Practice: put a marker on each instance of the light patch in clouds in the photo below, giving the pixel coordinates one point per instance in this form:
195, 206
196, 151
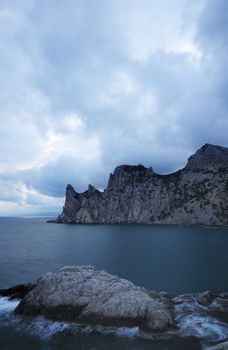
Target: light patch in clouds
121, 89
68, 136
16, 197
73, 122
148, 27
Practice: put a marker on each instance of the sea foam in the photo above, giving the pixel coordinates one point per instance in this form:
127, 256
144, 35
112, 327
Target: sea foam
7, 305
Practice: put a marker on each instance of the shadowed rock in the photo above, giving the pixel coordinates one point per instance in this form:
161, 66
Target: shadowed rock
18, 291
85, 295
205, 298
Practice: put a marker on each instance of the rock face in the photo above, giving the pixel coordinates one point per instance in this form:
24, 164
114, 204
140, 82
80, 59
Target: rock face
196, 194
85, 295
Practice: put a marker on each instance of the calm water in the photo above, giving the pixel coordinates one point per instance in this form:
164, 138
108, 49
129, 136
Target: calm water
168, 258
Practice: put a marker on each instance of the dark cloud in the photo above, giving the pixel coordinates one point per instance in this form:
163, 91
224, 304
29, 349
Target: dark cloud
213, 24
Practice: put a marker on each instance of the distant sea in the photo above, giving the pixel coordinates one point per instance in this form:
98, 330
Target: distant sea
175, 259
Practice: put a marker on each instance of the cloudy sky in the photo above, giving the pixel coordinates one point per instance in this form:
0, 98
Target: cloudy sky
87, 85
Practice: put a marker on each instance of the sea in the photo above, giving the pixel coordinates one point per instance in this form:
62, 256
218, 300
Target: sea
179, 260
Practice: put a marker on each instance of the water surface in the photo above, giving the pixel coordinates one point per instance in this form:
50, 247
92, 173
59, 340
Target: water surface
175, 259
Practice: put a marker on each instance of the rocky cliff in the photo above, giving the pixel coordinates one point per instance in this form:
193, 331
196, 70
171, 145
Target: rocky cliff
196, 194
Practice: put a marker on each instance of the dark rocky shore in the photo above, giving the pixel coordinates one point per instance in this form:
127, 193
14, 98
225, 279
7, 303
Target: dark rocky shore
17, 292
195, 195
84, 295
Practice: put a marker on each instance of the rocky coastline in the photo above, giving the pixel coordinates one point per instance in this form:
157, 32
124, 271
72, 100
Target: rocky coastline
194, 195
86, 296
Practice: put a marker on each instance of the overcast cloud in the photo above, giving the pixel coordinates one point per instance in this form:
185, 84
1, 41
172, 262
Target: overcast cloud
87, 85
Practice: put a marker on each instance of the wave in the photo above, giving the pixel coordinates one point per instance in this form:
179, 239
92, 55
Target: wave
7, 305
200, 321
203, 327
193, 320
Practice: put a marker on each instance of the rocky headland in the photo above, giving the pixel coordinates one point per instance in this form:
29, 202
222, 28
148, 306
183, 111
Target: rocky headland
194, 195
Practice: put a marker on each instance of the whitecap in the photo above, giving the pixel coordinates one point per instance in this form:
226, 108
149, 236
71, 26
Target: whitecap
220, 303
46, 329
43, 328
127, 332
202, 327
7, 305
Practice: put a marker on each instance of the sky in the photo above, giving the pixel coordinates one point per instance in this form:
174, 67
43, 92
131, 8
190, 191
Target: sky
87, 85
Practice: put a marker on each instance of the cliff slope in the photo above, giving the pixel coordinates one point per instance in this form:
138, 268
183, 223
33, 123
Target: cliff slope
196, 194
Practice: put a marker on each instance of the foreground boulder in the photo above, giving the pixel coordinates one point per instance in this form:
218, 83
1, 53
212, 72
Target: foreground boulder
85, 295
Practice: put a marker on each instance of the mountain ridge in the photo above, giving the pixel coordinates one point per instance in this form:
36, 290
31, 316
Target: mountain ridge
195, 194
